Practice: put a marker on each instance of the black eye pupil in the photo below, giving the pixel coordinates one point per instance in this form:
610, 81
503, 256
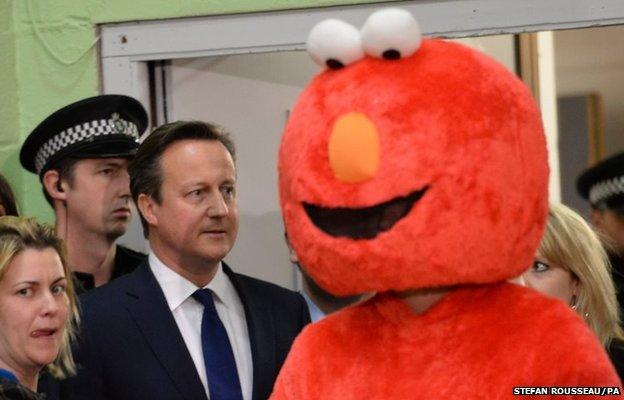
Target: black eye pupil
332, 63
391, 54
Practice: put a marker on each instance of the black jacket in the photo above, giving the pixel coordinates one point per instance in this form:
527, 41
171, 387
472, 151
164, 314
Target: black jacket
10, 390
126, 261
617, 273
131, 347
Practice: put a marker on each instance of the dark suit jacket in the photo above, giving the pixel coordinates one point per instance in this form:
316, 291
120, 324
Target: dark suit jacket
131, 348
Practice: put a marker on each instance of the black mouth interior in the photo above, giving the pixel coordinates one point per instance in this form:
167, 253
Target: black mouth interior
362, 223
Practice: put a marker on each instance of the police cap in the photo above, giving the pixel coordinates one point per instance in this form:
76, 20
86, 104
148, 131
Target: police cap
603, 184
96, 127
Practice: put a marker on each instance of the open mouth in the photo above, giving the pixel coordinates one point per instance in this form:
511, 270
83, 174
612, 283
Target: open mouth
362, 223
43, 333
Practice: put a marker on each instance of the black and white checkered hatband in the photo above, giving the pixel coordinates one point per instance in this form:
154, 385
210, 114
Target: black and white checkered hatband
82, 133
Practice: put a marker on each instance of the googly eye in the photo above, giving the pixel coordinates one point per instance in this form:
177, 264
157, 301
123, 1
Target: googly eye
334, 44
391, 33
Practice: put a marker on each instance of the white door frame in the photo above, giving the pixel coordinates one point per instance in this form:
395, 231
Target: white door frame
125, 45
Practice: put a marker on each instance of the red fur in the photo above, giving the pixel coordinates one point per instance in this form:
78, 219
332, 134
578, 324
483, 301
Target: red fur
477, 342
451, 118
448, 117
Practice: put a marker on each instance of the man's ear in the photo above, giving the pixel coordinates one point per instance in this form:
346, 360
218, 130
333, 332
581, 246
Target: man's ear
147, 208
291, 252
597, 218
54, 186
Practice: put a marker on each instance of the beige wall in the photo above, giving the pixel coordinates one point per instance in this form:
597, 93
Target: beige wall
592, 60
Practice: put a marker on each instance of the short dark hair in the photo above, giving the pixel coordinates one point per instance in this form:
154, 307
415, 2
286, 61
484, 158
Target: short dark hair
7, 198
65, 169
145, 169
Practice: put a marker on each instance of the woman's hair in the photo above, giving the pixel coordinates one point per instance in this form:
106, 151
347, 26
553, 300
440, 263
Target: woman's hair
18, 234
571, 243
7, 199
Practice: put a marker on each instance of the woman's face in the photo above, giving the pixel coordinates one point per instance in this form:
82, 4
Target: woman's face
33, 310
551, 279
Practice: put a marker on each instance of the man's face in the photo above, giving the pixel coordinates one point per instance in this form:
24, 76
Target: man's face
196, 221
98, 197
611, 224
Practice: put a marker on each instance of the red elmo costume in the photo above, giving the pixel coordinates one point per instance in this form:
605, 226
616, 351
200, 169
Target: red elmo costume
412, 170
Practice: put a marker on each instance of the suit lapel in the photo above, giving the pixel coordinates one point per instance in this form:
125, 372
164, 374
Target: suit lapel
148, 307
261, 336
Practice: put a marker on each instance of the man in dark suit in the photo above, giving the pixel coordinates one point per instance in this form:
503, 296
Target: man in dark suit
183, 325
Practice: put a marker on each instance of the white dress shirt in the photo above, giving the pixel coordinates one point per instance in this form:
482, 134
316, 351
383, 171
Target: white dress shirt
188, 314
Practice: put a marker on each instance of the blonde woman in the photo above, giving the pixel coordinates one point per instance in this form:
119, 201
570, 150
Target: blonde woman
37, 307
572, 265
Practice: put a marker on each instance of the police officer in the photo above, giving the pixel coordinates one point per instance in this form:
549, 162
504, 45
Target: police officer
603, 186
81, 153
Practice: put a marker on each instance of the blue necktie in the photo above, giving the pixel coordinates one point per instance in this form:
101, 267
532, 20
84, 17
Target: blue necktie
221, 372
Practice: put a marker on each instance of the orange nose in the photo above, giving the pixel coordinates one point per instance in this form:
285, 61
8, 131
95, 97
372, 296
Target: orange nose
354, 148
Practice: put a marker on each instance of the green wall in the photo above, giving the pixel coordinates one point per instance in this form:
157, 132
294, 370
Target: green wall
9, 97
49, 59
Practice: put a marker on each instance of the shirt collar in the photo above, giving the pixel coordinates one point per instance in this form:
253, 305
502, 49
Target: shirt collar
315, 313
221, 286
177, 289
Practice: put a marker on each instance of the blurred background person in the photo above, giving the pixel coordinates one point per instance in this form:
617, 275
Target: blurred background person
603, 186
8, 206
37, 307
572, 265
320, 302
